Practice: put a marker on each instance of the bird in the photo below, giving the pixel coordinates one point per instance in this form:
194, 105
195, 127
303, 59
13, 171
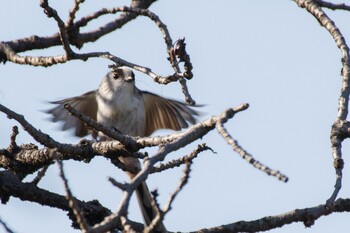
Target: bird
120, 104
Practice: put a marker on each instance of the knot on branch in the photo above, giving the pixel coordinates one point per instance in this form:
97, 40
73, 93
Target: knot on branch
47, 10
338, 163
340, 131
92, 211
178, 51
309, 221
73, 33
84, 143
342, 205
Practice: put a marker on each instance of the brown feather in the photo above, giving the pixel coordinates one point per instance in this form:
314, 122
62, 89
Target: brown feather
85, 104
164, 113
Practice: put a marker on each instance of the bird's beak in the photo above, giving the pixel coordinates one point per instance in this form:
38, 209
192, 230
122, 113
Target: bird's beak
128, 79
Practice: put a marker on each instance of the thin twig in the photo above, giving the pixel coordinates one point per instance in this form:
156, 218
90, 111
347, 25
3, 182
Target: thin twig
332, 6
72, 13
180, 161
183, 182
7, 228
178, 52
50, 12
244, 154
167, 208
84, 226
126, 225
40, 175
117, 184
13, 145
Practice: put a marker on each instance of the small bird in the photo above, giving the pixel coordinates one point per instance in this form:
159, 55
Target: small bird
120, 104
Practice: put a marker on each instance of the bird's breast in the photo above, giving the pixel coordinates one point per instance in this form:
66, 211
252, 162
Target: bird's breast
123, 111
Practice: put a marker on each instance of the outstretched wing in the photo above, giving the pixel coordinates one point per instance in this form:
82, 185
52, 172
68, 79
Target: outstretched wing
164, 113
86, 104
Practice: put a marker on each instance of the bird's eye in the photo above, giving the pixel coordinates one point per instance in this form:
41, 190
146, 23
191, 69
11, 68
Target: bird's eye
116, 75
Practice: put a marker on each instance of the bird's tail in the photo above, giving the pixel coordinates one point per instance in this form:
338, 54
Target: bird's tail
144, 198
149, 211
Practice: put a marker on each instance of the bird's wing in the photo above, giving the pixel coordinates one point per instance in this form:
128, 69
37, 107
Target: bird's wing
85, 104
164, 113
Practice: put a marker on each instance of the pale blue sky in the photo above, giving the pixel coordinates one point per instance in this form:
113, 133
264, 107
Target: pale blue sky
271, 54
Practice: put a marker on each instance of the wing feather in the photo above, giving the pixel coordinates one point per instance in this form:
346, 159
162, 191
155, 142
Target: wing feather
164, 113
86, 104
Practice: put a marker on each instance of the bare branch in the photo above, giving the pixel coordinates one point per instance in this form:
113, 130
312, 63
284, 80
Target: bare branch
190, 135
29, 158
12, 56
110, 222
84, 148
93, 211
108, 131
7, 228
92, 149
178, 51
313, 8
72, 13
244, 154
139, 11
183, 182
167, 208
306, 216
126, 224
178, 162
50, 12
109, 27
47, 61
79, 39
117, 184
13, 144
40, 175
84, 226
12, 186
332, 6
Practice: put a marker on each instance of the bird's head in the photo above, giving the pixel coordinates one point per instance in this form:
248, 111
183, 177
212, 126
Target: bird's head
118, 79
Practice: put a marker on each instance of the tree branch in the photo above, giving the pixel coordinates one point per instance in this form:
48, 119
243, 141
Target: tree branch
183, 160
243, 153
93, 211
72, 13
313, 8
72, 202
7, 228
306, 216
332, 6
79, 39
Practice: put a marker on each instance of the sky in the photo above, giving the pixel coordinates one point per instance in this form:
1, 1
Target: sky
270, 54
